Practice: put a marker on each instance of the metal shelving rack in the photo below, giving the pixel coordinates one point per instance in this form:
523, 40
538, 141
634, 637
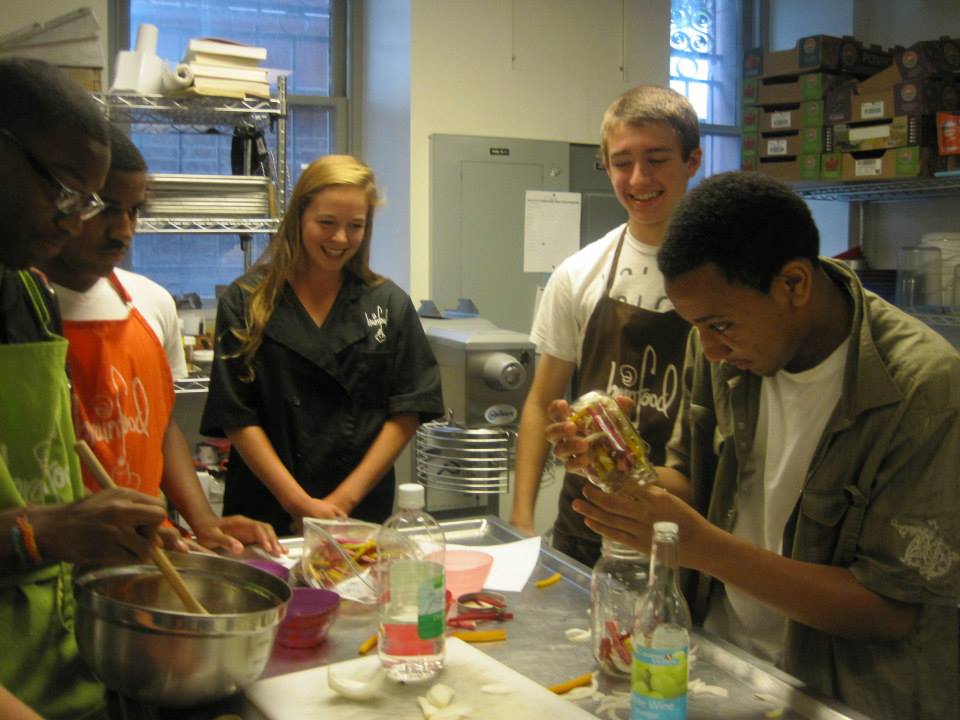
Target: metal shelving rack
880, 190
197, 114
191, 385
885, 191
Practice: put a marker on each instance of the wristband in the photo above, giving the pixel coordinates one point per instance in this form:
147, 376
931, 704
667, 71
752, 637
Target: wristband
16, 539
28, 542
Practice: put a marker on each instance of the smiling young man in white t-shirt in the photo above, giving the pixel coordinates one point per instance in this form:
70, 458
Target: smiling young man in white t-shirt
604, 314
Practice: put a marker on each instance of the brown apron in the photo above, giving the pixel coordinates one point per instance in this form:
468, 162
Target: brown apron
627, 350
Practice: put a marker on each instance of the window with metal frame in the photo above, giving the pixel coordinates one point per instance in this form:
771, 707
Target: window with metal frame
706, 46
307, 38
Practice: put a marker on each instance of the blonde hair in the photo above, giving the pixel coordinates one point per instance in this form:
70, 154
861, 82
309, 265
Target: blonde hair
285, 251
651, 103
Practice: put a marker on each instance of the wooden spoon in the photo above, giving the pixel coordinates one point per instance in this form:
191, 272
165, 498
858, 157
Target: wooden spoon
156, 554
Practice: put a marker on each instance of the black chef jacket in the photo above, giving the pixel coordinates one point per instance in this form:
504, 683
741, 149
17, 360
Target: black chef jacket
321, 394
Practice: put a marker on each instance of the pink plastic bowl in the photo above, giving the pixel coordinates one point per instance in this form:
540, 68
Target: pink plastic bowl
466, 571
310, 613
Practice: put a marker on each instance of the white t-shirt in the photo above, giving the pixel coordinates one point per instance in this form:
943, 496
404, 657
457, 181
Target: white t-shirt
794, 410
102, 302
580, 281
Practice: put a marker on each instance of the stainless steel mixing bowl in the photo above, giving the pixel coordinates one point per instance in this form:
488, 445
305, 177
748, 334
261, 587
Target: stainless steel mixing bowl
133, 631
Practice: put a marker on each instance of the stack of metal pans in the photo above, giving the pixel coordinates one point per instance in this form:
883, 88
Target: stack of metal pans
219, 196
469, 460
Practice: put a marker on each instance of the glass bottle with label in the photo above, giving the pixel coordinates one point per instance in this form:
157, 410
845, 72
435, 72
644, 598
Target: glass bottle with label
661, 636
618, 581
410, 589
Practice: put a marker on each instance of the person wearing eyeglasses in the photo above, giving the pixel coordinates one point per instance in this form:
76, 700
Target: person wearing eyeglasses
54, 156
124, 352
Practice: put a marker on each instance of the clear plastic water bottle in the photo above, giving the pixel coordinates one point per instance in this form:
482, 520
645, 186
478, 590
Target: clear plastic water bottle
618, 581
410, 589
661, 636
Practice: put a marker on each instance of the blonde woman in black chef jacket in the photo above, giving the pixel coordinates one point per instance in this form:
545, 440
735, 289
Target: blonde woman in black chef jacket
321, 371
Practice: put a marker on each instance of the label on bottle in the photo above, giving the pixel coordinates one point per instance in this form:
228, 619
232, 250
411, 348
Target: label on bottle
431, 605
659, 683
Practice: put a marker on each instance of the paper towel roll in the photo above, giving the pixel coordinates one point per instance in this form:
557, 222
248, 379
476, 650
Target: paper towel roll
150, 81
177, 79
146, 39
127, 73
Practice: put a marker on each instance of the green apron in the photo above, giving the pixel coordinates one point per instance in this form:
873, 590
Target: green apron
39, 661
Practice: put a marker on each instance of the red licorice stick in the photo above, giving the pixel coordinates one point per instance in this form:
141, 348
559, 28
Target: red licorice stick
615, 642
609, 428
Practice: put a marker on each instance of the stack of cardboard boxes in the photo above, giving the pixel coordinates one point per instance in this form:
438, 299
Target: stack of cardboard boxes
834, 109
785, 130
884, 127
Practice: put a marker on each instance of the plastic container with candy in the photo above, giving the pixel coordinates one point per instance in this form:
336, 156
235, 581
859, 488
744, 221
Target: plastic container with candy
340, 554
619, 457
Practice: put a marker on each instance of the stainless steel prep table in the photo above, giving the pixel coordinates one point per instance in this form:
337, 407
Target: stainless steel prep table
537, 647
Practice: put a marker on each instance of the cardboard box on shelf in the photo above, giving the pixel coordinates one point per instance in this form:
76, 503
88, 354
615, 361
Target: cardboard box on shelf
917, 97
801, 142
791, 117
902, 162
796, 89
89, 78
948, 133
894, 132
814, 53
922, 60
831, 166
802, 167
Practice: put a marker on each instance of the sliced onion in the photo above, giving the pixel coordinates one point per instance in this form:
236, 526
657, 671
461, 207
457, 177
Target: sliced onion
362, 686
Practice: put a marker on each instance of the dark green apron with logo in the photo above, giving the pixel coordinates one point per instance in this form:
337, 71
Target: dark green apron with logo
627, 350
39, 661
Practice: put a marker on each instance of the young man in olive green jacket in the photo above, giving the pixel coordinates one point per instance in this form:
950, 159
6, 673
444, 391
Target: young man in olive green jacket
813, 464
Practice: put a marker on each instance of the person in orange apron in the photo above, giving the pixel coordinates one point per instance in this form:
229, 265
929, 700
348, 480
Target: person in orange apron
122, 383
604, 319
54, 157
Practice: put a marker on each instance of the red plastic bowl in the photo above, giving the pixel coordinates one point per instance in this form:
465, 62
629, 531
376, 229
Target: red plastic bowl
310, 613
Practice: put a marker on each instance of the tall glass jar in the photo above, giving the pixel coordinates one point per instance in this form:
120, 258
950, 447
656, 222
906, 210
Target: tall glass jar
619, 580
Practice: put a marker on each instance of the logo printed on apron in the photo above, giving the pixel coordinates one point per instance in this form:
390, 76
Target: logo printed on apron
111, 423
635, 385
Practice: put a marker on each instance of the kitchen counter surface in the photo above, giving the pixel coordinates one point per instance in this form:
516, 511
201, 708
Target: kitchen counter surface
538, 648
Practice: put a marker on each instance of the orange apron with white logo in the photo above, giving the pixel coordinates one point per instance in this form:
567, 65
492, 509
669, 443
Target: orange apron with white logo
122, 395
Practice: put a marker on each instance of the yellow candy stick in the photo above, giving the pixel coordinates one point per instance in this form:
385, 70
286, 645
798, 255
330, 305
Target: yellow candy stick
547, 582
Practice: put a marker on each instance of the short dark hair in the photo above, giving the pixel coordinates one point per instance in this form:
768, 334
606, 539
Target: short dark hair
748, 225
652, 103
124, 155
40, 98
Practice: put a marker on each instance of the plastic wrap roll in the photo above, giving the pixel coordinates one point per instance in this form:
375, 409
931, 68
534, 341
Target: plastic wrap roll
177, 79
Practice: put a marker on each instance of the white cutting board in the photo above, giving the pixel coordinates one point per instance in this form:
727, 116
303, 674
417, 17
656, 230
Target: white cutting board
305, 695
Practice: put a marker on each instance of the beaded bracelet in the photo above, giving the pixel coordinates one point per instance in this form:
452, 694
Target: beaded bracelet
25, 542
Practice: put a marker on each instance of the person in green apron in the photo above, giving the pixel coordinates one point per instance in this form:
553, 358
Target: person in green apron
604, 316
819, 439
54, 159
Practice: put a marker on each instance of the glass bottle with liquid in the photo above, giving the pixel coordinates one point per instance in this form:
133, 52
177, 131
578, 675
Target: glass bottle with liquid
410, 589
618, 581
661, 636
